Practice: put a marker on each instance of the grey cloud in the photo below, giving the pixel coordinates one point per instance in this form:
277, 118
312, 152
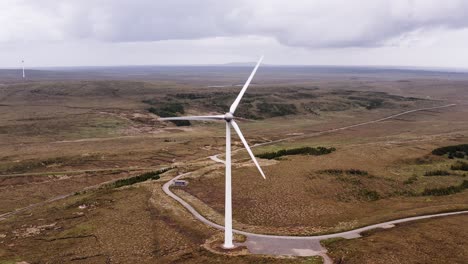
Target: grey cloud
307, 23
143, 20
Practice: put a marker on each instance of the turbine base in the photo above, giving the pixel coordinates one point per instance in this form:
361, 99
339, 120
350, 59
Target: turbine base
228, 246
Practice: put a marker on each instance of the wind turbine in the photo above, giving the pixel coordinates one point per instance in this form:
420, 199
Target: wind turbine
22, 63
229, 119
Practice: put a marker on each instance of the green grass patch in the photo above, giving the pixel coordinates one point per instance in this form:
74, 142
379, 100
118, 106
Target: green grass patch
446, 190
296, 151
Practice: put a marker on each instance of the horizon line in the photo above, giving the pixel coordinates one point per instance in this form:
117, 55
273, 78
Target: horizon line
249, 64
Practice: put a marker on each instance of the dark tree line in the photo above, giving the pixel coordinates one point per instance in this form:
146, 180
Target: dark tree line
349, 171
153, 175
455, 151
170, 110
296, 151
437, 173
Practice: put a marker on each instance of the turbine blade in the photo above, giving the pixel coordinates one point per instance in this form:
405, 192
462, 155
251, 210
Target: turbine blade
239, 97
238, 131
212, 117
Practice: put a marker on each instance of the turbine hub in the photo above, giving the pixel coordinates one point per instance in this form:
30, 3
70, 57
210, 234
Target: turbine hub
228, 117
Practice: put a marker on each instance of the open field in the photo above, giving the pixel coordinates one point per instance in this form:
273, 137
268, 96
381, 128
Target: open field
129, 225
61, 133
430, 241
393, 158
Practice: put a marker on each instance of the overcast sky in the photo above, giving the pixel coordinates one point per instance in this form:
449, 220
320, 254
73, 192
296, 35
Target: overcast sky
430, 33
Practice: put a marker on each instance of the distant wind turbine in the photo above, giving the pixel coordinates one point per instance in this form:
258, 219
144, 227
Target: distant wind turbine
22, 63
229, 118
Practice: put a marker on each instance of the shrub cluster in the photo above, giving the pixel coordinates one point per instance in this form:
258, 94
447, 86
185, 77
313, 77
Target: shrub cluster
437, 173
332, 171
455, 151
368, 103
277, 109
296, 151
357, 172
460, 165
446, 190
411, 180
191, 96
170, 110
369, 195
153, 175
350, 171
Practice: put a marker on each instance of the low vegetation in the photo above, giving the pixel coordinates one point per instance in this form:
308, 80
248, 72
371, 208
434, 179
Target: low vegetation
368, 103
446, 190
330, 241
409, 243
349, 171
259, 104
40, 164
411, 180
425, 160
437, 173
369, 195
168, 110
274, 110
153, 175
454, 151
460, 165
296, 151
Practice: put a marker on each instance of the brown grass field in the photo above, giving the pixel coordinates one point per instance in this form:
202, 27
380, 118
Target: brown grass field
298, 199
431, 241
60, 134
128, 225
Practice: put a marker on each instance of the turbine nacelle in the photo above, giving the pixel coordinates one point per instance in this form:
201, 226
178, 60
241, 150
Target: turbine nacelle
228, 117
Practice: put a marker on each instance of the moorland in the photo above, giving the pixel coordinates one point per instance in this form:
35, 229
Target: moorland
83, 158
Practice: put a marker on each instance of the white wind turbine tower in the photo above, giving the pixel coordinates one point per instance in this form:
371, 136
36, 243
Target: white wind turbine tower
22, 64
229, 118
